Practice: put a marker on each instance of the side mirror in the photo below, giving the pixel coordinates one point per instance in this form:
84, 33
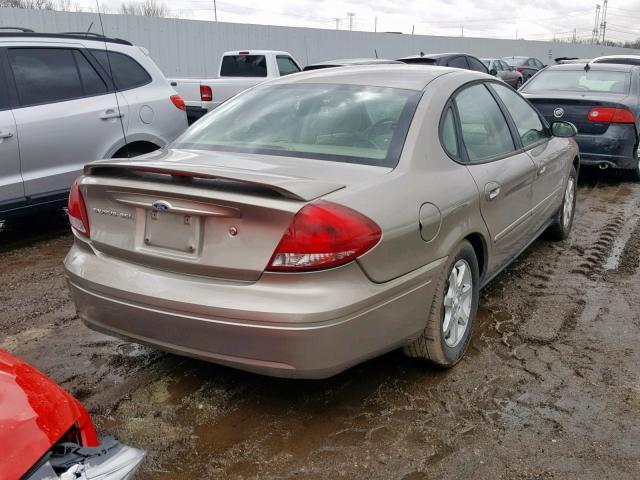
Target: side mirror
512, 69
563, 129
493, 72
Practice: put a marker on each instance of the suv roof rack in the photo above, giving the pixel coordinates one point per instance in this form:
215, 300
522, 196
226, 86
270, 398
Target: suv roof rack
27, 32
21, 29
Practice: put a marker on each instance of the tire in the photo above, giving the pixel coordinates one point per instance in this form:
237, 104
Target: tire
435, 344
563, 221
518, 83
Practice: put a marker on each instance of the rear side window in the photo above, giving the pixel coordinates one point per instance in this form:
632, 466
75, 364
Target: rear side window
528, 123
476, 65
125, 71
448, 134
458, 62
46, 75
4, 91
286, 65
243, 66
485, 131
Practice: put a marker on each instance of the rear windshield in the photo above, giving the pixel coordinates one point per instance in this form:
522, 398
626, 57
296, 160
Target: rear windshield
515, 62
620, 61
243, 66
342, 123
420, 60
579, 81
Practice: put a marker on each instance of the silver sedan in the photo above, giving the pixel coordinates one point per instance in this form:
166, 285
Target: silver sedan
322, 219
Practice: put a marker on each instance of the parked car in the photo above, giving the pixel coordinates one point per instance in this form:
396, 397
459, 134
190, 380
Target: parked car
602, 100
238, 71
499, 68
454, 60
349, 62
527, 66
60, 108
45, 433
322, 219
618, 59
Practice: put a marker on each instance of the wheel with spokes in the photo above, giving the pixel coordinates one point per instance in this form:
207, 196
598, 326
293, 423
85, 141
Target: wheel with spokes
453, 311
561, 226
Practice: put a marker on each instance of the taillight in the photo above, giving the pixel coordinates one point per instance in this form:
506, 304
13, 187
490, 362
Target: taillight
206, 94
178, 101
77, 210
610, 115
324, 235
519, 69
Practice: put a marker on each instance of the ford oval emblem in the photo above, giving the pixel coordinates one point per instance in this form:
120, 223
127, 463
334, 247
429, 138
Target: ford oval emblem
558, 112
161, 206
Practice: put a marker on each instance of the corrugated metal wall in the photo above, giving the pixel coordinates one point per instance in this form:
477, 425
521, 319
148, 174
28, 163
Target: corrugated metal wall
193, 48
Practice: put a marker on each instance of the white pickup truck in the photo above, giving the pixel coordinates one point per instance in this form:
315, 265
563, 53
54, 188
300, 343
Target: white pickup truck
238, 71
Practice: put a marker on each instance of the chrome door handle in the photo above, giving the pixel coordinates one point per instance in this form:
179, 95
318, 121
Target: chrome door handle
491, 190
109, 114
6, 134
542, 169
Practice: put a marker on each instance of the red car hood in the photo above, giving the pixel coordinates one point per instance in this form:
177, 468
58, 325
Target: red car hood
34, 414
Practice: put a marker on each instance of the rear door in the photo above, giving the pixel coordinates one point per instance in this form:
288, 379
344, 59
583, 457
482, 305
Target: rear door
11, 188
543, 150
66, 116
503, 174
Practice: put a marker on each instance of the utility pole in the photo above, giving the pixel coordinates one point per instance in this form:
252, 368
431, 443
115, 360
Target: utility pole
413, 29
215, 10
603, 25
375, 25
596, 33
575, 31
462, 32
516, 33
351, 15
337, 20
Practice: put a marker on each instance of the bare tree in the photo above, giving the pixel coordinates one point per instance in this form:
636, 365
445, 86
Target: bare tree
30, 4
145, 8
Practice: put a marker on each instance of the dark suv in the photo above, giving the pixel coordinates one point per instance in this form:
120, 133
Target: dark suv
455, 60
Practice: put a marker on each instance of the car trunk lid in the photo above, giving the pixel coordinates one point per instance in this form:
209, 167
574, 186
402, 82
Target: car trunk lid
575, 108
203, 213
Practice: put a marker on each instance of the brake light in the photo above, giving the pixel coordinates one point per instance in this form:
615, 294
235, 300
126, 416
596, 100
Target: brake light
178, 101
206, 94
519, 69
610, 115
324, 235
245, 52
77, 210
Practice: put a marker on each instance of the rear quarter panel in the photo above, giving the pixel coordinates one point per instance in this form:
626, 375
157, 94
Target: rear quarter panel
425, 174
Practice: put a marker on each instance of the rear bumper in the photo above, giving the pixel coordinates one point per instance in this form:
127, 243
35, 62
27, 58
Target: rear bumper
195, 113
616, 147
287, 325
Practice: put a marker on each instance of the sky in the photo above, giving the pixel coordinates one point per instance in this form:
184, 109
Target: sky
533, 20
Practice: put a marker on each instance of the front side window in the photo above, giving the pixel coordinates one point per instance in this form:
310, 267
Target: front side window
125, 71
45, 75
602, 81
355, 124
485, 132
286, 65
243, 66
528, 123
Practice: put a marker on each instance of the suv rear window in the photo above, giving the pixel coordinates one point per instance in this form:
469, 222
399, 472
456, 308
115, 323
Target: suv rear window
127, 73
46, 75
603, 81
342, 123
243, 66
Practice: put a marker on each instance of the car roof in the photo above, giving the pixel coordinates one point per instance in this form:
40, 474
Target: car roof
517, 56
617, 57
255, 52
433, 55
356, 61
409, 77
613, 67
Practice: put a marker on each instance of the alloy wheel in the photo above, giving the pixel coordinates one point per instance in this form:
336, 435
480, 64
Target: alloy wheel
567, 209
457, 303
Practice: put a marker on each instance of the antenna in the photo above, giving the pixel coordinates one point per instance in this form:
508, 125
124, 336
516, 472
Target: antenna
376, 52
113, 81
89, 29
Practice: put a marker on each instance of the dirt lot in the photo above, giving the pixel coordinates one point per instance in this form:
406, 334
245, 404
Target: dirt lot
550, 388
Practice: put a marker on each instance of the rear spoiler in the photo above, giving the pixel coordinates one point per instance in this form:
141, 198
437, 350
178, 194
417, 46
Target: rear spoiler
296, 188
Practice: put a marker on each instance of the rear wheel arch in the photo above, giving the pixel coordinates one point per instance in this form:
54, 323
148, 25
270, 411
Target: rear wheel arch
479, 245
136, 148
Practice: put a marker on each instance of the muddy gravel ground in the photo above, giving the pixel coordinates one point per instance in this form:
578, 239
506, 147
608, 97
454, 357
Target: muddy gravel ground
550, 388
